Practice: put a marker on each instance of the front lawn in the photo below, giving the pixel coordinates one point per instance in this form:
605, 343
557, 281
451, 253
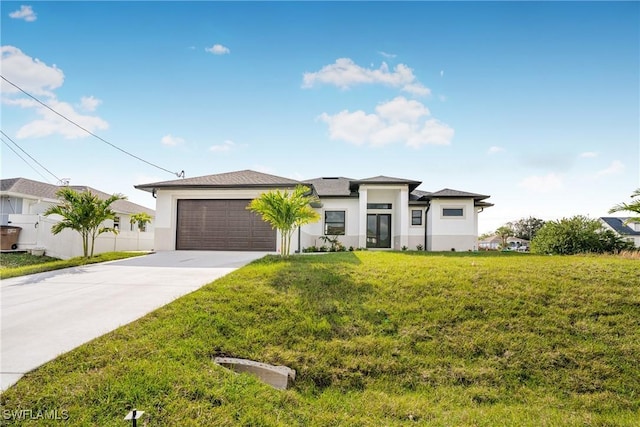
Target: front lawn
13, 264
376, 338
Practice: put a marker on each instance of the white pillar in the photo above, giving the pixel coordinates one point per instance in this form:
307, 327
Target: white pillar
362, 220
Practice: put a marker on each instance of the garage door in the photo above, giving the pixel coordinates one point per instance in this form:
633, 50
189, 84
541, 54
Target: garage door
222, 225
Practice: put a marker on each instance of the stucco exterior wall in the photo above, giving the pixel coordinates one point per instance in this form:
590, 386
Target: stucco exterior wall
36, 233
311, 232
447, 233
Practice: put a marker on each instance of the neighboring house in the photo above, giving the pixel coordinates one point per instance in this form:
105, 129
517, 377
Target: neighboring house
23, 201
627, 230
209, 213
494, 243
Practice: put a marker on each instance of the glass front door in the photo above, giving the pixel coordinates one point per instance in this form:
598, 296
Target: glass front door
378, 230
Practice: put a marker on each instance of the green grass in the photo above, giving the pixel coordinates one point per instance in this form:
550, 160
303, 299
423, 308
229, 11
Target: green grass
16, 264
376, 339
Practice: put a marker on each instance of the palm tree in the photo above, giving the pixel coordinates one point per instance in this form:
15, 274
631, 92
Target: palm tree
634, 206
142, 219
504, 233
285, 212
83, 212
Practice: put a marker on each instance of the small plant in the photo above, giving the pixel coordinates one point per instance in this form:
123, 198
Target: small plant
336, 245
419, 247
404, 248
350, 248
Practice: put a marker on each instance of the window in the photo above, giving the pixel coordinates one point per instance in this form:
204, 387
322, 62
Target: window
452, 212
379, 205
334, 224
416, 217
116, 222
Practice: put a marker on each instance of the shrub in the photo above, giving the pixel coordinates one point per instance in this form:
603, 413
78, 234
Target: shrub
578, 234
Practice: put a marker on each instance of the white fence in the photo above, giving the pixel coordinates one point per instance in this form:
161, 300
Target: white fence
36, 233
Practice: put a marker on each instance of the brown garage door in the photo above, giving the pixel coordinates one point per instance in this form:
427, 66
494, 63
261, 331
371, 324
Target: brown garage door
222, 225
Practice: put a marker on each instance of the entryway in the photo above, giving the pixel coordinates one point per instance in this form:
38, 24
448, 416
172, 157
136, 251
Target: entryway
378, 230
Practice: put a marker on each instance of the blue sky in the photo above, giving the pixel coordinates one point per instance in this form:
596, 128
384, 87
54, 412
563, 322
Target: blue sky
536, 104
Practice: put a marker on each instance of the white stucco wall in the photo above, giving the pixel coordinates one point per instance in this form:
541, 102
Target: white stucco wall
416, 232
311, 232
447, 233
36, 233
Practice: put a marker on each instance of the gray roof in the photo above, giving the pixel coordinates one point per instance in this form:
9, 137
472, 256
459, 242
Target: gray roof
331, 186
618, 224
447, 192
381, 179
43, 190
38, 189
324, 186
245, 178
419, 195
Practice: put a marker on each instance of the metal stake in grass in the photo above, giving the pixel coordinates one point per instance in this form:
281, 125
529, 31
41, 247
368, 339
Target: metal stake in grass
133, 416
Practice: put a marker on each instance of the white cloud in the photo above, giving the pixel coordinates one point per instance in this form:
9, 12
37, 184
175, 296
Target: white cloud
345, 73
89, 103
218, 49
40, 80
543, 184
495, 149
387, 55
225, 146
32, 75
397, 121
400, 109
25, 12
51, 123
171, 141
434, 132
616, 167
441, 73
588, 154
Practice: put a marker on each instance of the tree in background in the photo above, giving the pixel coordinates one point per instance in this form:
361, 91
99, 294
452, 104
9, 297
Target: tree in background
634, 206
575, 235
526, 228
140, 218
83, 212
285, 212
504, 233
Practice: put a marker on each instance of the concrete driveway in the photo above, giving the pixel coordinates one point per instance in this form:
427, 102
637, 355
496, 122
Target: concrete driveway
47, 314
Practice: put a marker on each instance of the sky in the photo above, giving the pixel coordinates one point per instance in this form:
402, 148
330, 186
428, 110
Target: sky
536, 104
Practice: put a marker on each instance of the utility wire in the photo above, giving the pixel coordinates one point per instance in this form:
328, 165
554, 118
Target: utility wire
31, 157
23, 159
178, 174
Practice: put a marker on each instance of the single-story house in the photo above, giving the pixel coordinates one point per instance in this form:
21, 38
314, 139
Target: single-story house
513, 243
626, 229
209, 213
23, 202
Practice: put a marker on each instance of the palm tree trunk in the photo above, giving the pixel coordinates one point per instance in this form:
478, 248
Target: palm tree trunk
85, 244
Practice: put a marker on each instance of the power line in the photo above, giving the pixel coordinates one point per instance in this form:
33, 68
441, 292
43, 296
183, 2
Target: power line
178, 174
31, 157
23, 159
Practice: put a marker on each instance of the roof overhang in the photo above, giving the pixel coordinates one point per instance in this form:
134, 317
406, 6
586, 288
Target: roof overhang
159, 186
355, 185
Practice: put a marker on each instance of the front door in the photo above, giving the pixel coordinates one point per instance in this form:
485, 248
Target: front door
378, 230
